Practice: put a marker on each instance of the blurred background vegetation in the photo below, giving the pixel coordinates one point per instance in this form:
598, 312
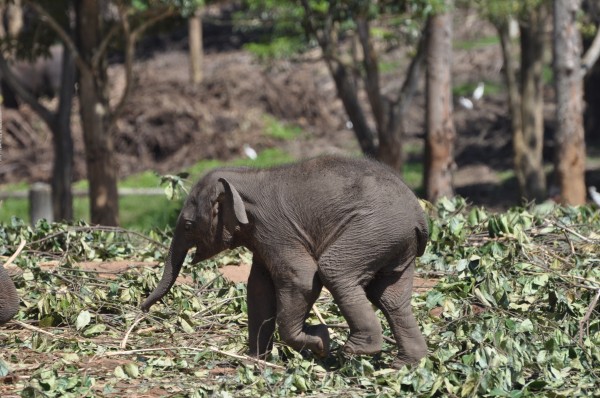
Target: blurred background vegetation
460, 97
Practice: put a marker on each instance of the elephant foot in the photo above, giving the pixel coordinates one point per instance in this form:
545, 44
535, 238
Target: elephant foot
313, 337
363, 344
400, 361
411, 356
321, 333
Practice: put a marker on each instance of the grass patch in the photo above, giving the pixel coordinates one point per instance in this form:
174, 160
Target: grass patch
548, 74
412, 174
277, 48
389, 66
280, 130
476, 43
466, 89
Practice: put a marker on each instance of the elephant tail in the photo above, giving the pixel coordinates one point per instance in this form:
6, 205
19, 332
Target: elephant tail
422, 234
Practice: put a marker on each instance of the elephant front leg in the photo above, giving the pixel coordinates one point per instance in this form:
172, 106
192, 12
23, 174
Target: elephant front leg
296, 294
261, 310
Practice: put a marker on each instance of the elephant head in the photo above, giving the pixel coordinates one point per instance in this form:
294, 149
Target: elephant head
211, 216
9, 300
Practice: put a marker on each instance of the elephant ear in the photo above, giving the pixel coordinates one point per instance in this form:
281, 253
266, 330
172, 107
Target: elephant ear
235, 210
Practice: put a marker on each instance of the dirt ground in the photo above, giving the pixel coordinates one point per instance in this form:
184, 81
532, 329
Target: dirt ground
168, 124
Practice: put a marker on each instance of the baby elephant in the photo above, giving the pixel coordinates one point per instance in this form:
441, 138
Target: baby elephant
9, 301
350, 225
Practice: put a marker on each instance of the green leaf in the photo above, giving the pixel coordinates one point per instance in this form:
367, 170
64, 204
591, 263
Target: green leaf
131, 370
83, 319
94, 330
120, 373
4, 369
185, 325
525, 326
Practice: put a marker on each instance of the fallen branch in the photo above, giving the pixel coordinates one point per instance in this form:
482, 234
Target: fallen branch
138, 318
33, 328
571, 231
586, 319
213, 349
318, 314
15, 254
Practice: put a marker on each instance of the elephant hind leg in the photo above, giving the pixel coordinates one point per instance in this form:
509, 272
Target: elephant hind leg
344, 271
296, 294
365, 329
391, 292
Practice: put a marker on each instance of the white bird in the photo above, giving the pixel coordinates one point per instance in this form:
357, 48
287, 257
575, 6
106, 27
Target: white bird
478, 92
594, 194
465, 102
250, 152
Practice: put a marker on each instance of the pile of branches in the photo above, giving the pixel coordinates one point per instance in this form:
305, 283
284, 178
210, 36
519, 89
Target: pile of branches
514, 313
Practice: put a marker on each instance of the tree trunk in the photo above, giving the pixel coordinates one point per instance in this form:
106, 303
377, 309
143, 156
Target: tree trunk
390, 146
347, 92
569, 136
389, 150
514, 91
14, 17
62, 172
529, 165
94, 110
196, 48
439, 149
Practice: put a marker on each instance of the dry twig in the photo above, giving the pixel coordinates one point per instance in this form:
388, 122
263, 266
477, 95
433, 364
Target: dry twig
586, 319
33, 328
138, 318
213, 349
15, 254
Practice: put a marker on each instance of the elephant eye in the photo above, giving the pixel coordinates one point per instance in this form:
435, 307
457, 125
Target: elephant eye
188, 225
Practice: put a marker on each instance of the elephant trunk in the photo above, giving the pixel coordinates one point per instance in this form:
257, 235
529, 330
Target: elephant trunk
9, 300
175, 258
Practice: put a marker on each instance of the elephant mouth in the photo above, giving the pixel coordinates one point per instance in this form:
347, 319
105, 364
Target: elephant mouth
198, 256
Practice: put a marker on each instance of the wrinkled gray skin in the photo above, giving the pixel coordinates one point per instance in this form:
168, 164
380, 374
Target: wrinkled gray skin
347, 224
9, 301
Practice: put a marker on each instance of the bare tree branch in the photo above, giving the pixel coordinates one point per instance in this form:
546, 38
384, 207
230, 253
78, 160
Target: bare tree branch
103, 47
371, 72
129, 54
411, 81
591, 55
131, 38
24, 94
64, 36
151, 20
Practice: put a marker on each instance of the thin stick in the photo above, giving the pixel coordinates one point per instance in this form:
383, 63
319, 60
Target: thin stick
213, 349
318, 314
15, 254
345, 326
586, 318
33, 328
588, 240
138, 318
